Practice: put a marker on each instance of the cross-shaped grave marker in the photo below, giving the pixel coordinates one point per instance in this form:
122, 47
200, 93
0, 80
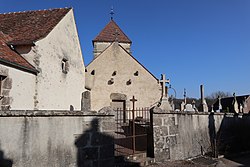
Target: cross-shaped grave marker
163, 81
133, 100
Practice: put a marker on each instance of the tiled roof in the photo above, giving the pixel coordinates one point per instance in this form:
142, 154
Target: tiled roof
30, 26
10, 57
108, 34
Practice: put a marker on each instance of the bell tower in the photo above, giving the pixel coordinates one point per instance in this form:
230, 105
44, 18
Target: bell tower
109, 34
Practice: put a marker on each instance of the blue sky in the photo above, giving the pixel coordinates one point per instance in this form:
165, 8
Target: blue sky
192, 41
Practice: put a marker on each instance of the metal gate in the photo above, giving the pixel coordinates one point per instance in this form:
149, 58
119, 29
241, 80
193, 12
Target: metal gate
131, 135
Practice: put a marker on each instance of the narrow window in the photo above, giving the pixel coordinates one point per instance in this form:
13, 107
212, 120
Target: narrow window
65, 66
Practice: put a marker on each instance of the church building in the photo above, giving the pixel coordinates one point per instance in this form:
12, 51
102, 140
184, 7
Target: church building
114, 76
41, 64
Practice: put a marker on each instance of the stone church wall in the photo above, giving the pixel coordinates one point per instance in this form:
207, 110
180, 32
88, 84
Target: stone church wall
117, 72
179, 136
56, 138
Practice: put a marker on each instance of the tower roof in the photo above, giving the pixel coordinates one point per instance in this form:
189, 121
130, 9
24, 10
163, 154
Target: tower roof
111, 33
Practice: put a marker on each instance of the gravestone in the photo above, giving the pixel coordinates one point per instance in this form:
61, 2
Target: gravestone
189, 107
85, 102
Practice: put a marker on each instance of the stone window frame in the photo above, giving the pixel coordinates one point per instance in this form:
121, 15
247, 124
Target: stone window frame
65, 65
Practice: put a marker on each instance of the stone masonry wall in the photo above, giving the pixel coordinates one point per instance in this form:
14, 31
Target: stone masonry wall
179, 136
182, 135
56, 138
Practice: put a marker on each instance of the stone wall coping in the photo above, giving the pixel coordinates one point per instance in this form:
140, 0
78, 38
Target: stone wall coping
195, 113
49, 113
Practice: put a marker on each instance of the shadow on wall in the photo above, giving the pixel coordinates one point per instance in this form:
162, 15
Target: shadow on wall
95, 148
5, 162
232, 137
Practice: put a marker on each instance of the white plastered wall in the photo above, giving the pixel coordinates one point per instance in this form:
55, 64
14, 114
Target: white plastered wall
144, 87
22, 88
55, 89
99, 47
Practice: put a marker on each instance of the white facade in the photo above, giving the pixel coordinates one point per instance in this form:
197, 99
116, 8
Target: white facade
116, 72
99, 47
61, 78
18, 89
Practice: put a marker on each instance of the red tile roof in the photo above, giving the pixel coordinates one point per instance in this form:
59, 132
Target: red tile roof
108, 34
10, 57
30, 26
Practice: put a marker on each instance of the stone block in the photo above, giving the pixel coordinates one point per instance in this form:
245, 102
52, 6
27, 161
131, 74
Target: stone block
169, 121
173, 130
164, 130
172, 140
160, 143
4, 108
162, 154
6, 92
7, 83
4, 71
160, 131
6, 101
157, 131
157, 121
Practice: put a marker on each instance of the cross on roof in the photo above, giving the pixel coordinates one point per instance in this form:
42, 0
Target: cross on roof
116, 35
112, 13
164, 81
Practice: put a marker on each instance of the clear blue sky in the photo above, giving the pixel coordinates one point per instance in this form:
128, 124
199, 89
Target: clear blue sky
193, 41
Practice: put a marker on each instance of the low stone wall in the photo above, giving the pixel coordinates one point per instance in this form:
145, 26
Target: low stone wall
178, 136
56, 138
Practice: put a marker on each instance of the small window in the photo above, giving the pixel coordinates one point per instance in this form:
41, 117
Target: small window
65, 66
93, 72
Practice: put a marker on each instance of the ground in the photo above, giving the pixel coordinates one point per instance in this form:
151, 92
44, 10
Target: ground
236, 161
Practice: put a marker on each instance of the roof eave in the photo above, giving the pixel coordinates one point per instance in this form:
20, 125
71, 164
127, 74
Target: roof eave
30, 43
93, 41
20, 67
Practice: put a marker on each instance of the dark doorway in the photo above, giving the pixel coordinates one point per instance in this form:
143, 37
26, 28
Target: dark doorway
121, 106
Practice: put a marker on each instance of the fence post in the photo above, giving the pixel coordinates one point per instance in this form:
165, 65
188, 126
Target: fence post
133, 122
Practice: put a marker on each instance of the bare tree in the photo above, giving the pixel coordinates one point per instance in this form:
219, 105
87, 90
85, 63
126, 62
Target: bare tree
222, 94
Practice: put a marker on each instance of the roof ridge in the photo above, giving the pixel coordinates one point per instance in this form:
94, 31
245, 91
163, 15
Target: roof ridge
50, 9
